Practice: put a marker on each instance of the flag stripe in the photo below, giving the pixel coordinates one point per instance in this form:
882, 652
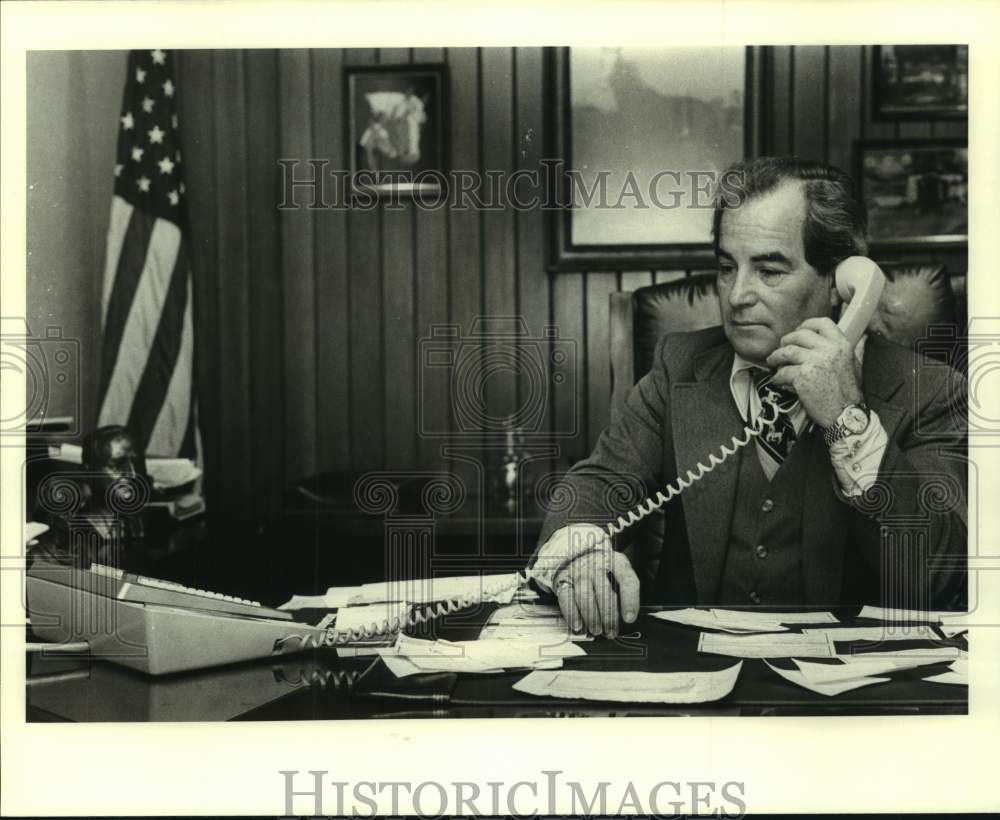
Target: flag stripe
161, 359
142, 322
175, 411
121, 213
127, 275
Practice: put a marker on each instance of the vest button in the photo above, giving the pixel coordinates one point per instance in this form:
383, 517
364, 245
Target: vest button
755, 597
761, 551
767, 506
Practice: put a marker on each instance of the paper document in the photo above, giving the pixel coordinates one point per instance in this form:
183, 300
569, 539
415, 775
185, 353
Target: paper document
631, 687
925, 654
926, 616
896, 632
829, 688
785, 645
861, 667
410, 656
706, 619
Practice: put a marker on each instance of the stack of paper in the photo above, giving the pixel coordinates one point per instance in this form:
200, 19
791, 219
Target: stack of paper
412, 656
632, 687
740, 621
950, 623
859, 670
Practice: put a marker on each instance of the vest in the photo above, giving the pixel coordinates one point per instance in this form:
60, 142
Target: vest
763, 562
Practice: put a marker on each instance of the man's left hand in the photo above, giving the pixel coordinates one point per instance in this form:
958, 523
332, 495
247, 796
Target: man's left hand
817, 361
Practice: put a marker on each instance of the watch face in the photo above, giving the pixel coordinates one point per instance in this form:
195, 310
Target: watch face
855, 419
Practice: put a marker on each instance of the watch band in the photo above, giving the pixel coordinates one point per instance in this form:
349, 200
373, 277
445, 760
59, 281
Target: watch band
839, 429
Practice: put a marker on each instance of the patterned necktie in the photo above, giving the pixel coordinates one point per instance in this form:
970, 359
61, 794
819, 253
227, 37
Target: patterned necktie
777, 439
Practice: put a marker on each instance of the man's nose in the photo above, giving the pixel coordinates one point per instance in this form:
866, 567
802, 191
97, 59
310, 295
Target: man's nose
742, 292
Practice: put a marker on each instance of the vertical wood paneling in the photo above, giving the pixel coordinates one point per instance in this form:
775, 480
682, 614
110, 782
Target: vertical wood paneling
569, 420
598, 395
298, 264
781, 100
499, 282
332, 275
196, 107
431, 278
269, 367
365, 350
633, 280
809, 98
398, 319
844, 99
231, 267
464, 235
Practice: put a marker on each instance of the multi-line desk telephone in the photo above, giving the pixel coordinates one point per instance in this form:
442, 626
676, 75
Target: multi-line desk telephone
159, 626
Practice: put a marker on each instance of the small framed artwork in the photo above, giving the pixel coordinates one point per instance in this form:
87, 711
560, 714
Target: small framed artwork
396, 127
921, 82
916, 192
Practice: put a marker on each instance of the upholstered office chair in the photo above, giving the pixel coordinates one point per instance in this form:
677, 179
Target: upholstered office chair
916, 296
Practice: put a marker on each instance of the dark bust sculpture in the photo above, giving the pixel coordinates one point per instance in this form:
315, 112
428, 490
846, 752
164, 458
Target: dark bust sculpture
97, 512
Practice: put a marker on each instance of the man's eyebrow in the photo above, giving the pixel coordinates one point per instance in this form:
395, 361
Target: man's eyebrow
771, 256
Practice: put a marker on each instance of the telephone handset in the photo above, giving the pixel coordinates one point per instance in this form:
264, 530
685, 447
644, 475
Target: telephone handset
860, 283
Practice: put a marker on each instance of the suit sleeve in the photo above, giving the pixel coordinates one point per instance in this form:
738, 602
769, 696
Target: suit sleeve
626, 462
912, 530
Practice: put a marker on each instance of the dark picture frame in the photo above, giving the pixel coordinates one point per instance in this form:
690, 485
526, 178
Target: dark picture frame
396, 127
926, 82
565, 255
915, 191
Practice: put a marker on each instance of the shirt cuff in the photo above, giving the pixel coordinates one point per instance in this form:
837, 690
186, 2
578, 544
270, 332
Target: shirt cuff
564, 546
856, 458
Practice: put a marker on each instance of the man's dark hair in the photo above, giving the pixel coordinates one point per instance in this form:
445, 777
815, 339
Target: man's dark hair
836, 224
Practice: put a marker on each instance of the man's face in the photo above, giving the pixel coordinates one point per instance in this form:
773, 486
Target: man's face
766, 287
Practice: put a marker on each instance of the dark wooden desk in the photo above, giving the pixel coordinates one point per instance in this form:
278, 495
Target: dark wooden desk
319, 685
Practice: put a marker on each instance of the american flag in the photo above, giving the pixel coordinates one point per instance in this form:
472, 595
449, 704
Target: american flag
147, 360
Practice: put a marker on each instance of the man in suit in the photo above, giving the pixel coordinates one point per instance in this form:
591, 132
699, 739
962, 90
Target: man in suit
857, 494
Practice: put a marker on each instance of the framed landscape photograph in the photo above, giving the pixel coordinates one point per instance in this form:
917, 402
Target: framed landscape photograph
396, 127
916, 192
642, 134
921, 82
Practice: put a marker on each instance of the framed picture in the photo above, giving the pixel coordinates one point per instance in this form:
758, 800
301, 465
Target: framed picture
396, 127
640, 135
921, 82
916, 192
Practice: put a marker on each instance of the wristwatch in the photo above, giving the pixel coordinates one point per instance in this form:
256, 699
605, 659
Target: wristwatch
853, 420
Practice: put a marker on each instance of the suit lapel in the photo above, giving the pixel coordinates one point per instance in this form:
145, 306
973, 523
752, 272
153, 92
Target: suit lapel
705, 418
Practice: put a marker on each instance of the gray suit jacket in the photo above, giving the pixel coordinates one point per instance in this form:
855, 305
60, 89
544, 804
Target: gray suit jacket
859, 552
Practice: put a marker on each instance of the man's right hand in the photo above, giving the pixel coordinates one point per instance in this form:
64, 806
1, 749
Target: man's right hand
585, 564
